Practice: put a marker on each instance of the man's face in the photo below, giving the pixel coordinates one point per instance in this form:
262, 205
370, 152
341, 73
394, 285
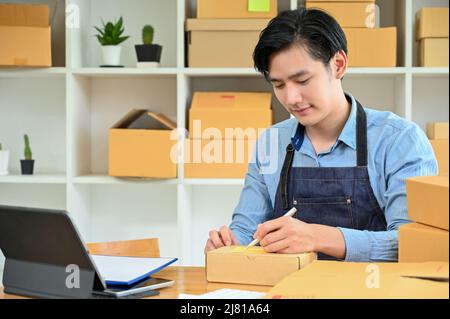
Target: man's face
304, 86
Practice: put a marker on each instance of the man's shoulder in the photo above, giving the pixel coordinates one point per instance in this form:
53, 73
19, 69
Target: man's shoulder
387, 121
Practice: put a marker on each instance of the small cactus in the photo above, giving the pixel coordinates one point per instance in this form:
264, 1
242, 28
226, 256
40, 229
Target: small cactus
28, 154
147, 35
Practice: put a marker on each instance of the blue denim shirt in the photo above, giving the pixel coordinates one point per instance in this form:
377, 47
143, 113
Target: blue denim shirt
397, 149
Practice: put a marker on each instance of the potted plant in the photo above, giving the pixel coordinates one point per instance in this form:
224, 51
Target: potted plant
27, 164
148, 54
4, 161
110, 36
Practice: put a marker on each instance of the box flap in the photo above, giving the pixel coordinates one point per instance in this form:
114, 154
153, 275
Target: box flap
30, 15
145, 120
226, 24
231, 100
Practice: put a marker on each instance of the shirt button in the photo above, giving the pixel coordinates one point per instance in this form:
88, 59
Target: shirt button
295, 202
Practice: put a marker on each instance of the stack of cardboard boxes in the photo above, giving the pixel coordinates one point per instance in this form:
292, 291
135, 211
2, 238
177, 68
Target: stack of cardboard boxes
25, 35
225, 33
368, 46
428, 206
432, 34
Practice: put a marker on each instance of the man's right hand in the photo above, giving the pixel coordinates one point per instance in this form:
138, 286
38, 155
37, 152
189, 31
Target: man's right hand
223, 237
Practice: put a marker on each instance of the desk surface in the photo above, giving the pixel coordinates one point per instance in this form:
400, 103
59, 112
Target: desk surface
189, 280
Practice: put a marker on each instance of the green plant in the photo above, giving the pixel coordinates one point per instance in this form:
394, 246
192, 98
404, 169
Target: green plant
0, 146
111, 34
147, 34
28, 154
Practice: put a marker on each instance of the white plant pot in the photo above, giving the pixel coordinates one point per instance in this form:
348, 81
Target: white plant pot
4, 162
111, 54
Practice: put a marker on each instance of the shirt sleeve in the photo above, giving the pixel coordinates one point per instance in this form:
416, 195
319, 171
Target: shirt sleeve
410, 154
254, 205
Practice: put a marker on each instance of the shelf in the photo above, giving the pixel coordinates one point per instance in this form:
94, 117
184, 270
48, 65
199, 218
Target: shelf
425, 72
33, 179
32, 72
214, 181
120, 72
221, 72
109, 180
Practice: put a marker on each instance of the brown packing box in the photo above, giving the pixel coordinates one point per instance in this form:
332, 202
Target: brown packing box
432, 23
427, 200
25, 35
437, 130
232, 9
433, 52
142, 152
218, 158
230, 110
441, 151
223, 42
338, 280
349, 15
253, 266
421, 243
372, 47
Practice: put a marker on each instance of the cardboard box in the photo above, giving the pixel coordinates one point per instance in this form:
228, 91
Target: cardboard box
219, 111
441, 149
253, 266
223, 42
372, 47
421, 243
437, 130
348, 14
427, 200
236, 9
143, 150
218, 158
25, 35
432, 23
339, 280
433, 52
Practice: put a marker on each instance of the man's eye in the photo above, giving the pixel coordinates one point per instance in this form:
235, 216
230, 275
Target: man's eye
279, 86
303, 82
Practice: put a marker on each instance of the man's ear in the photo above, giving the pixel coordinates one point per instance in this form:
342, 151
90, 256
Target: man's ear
339, 64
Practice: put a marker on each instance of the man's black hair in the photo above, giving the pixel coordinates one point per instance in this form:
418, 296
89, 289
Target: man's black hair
315, 30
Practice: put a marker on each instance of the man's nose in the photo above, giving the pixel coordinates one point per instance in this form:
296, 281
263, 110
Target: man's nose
293, 95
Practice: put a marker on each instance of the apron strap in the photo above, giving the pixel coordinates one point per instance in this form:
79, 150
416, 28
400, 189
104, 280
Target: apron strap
361, 136
290, 150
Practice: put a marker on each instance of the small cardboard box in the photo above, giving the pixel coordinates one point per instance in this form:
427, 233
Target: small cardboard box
348, 14
372, 47
25, 35
218, 158
441, 149
236, 9
437, 130
421, 243
240, 111
346, 280
235, 264
433, 52
140, 145
432, 23
427, 200
223, 42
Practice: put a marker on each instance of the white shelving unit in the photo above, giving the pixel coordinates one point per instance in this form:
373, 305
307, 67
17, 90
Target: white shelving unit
68, 109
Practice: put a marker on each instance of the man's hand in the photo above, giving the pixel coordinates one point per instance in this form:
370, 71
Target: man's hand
221, 238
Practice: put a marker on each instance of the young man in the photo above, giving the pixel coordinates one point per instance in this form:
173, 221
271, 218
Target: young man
341, 165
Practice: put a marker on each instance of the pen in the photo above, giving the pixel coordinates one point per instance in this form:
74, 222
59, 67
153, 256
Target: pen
290, 213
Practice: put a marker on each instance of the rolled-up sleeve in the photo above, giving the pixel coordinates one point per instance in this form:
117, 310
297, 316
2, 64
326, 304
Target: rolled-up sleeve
408, 154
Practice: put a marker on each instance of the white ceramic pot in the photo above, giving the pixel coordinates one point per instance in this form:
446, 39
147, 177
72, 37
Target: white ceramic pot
4, 162
111, 54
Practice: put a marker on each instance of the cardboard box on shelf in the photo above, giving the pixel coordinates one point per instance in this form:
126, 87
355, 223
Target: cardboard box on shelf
222, 112
223, 42
421, 243
433, 52
25, 35
348, 14
235, 264
344, 280
437, 130
140, 145
432, 23
218, 158
441, 149
236, 9
427, 200
372, 47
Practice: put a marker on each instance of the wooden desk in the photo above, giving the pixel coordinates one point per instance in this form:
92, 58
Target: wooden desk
189, 280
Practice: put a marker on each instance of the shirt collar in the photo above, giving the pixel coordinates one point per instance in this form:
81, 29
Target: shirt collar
347, 136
